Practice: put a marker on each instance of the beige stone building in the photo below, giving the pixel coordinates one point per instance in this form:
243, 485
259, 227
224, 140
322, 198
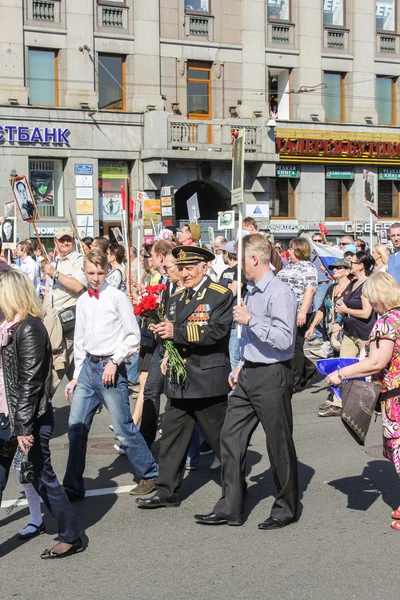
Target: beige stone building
145, 94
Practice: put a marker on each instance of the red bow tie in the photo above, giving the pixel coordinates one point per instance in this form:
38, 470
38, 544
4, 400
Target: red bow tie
94, 293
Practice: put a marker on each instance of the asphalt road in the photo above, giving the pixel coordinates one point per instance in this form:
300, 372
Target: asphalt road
339, 549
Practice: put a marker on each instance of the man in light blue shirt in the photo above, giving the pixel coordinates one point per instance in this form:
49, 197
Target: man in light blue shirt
262, 392
393, 267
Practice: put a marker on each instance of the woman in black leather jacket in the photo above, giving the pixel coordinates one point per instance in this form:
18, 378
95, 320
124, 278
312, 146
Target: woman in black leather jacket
25, 400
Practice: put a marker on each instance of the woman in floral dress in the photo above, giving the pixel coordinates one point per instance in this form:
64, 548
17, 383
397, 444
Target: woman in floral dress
382, 362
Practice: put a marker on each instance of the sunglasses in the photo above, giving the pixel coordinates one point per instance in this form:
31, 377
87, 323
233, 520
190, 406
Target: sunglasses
318, 241
338, 268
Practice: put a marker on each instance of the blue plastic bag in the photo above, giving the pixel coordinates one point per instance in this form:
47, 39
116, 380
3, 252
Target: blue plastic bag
328, 365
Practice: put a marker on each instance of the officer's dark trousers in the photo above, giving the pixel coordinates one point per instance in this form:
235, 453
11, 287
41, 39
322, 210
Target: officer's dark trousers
151, 400
263, 394
179, 421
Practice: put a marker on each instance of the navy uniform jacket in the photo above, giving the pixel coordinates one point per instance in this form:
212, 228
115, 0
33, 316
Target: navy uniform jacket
201, 335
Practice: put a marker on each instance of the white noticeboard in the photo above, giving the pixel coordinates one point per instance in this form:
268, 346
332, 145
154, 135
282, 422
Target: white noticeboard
258, 211
84, 192
226, 220
193, 208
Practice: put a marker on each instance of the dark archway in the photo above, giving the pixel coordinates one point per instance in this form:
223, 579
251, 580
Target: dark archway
213, 197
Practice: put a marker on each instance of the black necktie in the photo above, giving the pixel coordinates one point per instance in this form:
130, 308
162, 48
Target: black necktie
190, 293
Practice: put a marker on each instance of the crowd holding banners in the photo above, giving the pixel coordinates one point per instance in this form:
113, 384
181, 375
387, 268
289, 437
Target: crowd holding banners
274, 309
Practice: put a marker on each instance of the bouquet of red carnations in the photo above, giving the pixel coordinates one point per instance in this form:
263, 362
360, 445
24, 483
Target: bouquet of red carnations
150, 306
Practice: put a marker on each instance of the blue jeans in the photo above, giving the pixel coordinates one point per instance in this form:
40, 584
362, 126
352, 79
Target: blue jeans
133, 373
234, 348
89, 394
318, 298
46, 483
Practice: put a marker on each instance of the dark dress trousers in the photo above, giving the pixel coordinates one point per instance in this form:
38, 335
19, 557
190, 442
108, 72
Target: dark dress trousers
202, 326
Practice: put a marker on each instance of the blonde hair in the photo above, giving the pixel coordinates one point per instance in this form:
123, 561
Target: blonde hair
301, 248
382, 287
18, 296
96, 257
259, 244
383, 253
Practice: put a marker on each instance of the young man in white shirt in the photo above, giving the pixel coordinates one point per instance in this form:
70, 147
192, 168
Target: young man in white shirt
106, 334
25, 252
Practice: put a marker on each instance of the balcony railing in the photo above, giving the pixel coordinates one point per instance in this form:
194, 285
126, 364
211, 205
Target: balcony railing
216, 135
387, 43
280, 34
336, 39
43, 10
200, 25
112, 17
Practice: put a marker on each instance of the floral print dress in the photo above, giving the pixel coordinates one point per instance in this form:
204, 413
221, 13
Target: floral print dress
387, 327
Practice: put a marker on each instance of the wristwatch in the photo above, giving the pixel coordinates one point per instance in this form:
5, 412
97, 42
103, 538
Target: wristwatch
114, 362
339, 375
56, 275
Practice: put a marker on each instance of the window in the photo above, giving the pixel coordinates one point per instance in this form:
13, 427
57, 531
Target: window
281, 196
199, 90
334, 13
197, 5
388, 199
278, 10
278, 93
334, 97
46, 181
336, 198
42, 77
111, 70
386, 100
385, 15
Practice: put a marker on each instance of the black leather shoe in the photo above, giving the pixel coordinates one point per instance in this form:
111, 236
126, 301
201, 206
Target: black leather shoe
273, 523
158, 502
76, 547
214, 519
72, 497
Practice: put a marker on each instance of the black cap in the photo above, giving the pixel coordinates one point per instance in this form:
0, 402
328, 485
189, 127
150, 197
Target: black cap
190, 255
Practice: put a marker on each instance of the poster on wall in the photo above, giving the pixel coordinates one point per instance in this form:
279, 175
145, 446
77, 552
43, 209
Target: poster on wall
112, 175
42, 185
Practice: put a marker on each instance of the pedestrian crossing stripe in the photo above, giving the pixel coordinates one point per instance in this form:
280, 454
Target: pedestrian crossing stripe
217, 288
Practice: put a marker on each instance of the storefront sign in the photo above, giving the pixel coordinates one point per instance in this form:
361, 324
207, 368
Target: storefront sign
47, 231
84, 207
288, 171
83, 169
389, 174
332, 173
84, 180
258, 211
33, 135
364, 227
351, 147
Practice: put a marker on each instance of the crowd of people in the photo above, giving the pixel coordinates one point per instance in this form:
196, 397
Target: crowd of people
72, 314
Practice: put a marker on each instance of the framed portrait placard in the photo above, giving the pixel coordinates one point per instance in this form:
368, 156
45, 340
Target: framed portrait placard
24, 198
8, 233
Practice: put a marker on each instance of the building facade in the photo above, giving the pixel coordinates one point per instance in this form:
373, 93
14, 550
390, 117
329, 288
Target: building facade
97, 95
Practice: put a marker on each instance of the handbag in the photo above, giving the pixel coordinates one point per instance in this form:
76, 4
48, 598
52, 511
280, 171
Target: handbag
67, 318
359, 400
8, 441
